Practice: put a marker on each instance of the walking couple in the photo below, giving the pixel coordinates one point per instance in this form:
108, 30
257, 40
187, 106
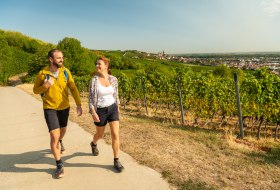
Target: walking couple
53, 83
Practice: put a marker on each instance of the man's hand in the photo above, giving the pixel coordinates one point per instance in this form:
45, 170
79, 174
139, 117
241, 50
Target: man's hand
48, 83
79, 110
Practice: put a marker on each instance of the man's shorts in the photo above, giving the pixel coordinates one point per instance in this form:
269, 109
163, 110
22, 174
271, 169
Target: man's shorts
107, 114
56, 118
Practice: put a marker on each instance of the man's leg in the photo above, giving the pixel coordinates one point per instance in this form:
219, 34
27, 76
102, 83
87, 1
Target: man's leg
55, 135
63, 121
56, 150
54, 129
62, 133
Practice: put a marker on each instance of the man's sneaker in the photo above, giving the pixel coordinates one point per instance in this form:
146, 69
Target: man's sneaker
118, 166
59, 172
94, 149
62, 147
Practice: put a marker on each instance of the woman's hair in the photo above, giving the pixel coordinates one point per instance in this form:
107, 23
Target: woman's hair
106, 61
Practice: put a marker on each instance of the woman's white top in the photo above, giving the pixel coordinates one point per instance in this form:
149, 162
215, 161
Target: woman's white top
105, 95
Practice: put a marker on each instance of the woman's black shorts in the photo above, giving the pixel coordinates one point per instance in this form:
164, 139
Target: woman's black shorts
56, 118
107, 114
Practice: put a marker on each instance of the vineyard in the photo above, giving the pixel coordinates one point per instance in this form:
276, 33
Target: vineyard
208, 100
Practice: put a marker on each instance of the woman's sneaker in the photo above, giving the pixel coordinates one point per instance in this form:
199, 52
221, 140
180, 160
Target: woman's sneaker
59, 172
118, 166
94, 149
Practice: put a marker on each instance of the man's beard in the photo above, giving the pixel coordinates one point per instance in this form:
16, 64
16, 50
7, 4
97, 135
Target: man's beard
56, 64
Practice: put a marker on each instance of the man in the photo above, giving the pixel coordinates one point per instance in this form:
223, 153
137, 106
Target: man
53, 83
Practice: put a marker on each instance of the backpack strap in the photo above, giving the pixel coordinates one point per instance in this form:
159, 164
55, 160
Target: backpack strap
66, 74
47, 76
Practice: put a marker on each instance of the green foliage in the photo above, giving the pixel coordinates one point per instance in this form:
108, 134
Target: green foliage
25, 43
21, 61
222, 71
205, 94
82, 82
78, 59
38, 61
32, 46
118, 61
6, 60
72, 51
15, 39
239, 73
16, 54
262, 95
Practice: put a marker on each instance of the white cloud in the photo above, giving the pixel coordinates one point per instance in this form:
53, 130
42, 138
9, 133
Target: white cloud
271, 7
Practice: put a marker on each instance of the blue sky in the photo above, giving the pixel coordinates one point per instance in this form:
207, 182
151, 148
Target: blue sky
175, 26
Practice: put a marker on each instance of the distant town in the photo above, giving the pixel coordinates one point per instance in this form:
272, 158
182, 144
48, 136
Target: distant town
249, 61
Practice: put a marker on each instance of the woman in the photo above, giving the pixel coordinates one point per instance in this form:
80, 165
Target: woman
103, 106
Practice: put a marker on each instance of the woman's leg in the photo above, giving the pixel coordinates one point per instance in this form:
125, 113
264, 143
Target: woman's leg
99, 134
114, 126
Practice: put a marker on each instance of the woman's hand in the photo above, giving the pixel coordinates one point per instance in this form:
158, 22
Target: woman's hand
95, 117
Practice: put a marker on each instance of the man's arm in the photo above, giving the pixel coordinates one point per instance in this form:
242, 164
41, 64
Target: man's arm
75, 93
39, 86
74, 89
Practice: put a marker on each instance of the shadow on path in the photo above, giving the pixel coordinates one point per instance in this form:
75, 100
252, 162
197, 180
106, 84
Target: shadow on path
42, 161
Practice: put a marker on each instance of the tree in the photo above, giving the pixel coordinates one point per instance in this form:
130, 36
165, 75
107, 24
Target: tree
77, 58
38, 61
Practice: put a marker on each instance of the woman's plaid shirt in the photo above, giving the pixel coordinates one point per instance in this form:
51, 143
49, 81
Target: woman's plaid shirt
93, 97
